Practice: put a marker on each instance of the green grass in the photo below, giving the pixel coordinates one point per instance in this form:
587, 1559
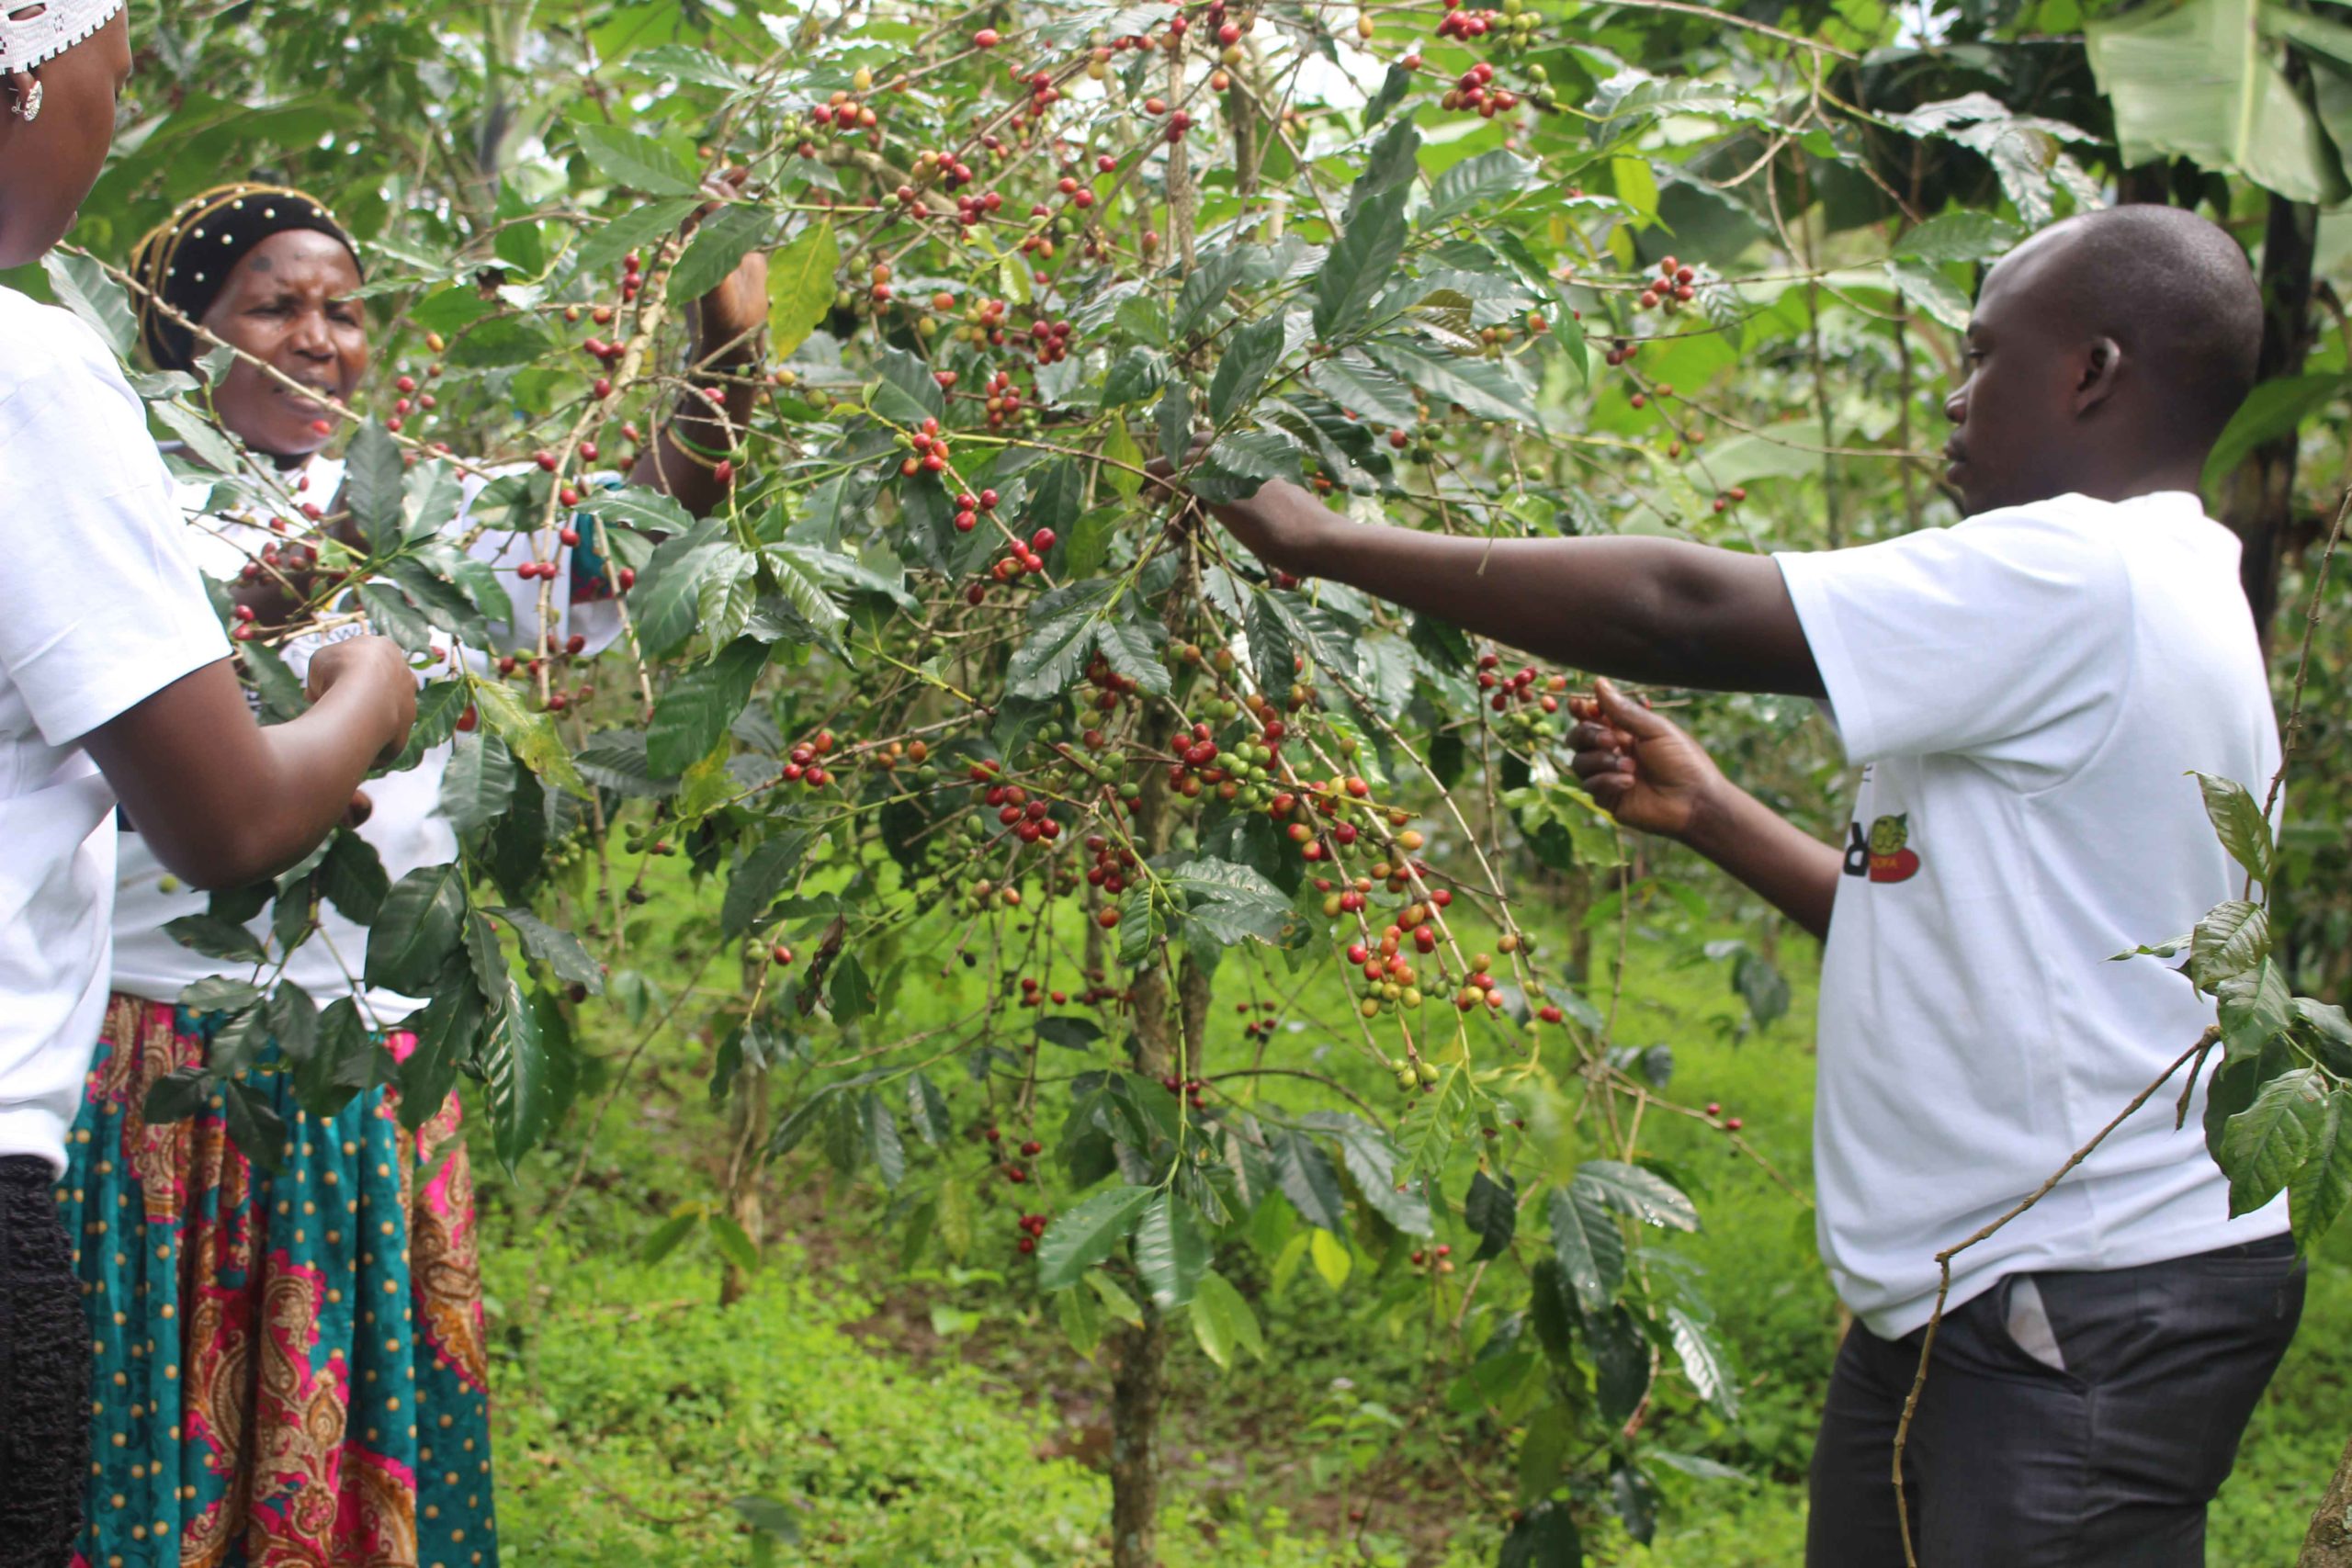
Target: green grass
942, 1417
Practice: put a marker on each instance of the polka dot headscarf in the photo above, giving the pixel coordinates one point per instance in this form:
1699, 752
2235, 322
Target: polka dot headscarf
185, 260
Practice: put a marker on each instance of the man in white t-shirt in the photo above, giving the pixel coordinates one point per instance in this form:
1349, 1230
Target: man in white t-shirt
2026, 692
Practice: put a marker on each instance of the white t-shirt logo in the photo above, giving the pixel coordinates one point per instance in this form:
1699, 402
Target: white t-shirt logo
1885, 854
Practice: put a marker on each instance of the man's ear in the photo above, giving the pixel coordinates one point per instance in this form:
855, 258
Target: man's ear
2102, 367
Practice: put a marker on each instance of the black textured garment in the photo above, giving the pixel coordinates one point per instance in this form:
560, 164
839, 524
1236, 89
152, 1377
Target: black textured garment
44, 1373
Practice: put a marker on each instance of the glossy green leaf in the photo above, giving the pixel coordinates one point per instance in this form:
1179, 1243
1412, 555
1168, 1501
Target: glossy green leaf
416, 929
1704, 1361
2267, 1143
639, 162
1224, 1323
446, 1033
215, 938
2320, 1184
1544, 1537
2198, 81
720, 244
1171, 1250
555, 947
478, 781
800, 288
1491, 1211
1588, 1244
2232, 938
522, 1068
2240, 824
1362, 264
1251, 355
761, 879
531, 737
691, 717
2272, 411
1085, 1234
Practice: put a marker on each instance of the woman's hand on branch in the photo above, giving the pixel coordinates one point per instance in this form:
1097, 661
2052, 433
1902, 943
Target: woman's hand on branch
1282, 525
729, 319
373, 669
1642, 770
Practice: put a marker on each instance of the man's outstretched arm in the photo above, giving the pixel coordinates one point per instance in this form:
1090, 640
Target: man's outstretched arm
1653, 777
1653, 610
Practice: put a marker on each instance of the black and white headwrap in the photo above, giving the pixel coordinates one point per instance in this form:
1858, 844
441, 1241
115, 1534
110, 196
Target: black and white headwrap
46, 33
185, 261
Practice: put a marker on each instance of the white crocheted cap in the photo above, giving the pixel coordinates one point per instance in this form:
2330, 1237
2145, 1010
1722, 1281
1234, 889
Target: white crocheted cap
57, 26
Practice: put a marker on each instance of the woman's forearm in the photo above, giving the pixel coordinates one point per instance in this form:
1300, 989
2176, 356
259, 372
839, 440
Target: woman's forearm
690, 478
224, 801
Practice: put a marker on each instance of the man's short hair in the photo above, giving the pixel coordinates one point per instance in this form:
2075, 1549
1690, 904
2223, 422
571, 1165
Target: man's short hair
2176, 292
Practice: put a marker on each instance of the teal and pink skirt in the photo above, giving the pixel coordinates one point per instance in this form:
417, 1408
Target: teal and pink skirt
290, 1366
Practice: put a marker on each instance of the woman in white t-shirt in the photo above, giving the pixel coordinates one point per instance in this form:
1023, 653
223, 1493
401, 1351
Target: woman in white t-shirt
123, 693
375, 1294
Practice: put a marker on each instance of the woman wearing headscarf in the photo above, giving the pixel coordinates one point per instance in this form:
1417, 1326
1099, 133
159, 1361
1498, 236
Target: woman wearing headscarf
126, 694
291, 1364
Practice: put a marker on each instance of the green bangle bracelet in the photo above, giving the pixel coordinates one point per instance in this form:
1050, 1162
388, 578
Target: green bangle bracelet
713, 453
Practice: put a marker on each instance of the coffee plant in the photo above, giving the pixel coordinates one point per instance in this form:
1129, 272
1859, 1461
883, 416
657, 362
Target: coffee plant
952, 695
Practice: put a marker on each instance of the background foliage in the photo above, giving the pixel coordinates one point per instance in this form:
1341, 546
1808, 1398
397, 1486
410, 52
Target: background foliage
1090, 1069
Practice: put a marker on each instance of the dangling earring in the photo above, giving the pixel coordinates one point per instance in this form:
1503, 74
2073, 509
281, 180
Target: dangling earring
29, 104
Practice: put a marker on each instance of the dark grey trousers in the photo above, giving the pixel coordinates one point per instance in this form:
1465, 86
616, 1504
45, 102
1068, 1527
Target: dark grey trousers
44, 1373
2070, 1419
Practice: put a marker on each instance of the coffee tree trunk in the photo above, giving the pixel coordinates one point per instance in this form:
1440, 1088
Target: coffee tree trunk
745, 1175
2257, 501
1137, 1387
2328, 1543
1138, 1380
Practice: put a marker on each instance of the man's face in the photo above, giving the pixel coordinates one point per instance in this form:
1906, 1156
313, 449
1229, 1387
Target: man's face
49, 165
2014, 426
288, 303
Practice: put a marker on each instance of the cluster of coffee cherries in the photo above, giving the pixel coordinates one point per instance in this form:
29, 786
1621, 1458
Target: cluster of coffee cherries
1258, 1028
1475, 91
1510, 691
972, 208
931, 454
968, 507
409, 400
1034, 995
1621, 352
1019, 560
983, 320
1728, 1124
1003, 399
1050, 341
1352, 897
1390, 979
1180, 124
843, 115
805, 763
915, 754
1676, 286
1040, 85
1111, 691
1438, 1258
1031, 1227
1112, 864
559, 654
1190, 1088
1029, 1149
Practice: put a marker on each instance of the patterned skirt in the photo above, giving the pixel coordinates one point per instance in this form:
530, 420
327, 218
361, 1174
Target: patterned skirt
289, 1367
